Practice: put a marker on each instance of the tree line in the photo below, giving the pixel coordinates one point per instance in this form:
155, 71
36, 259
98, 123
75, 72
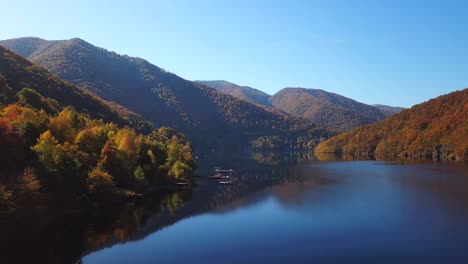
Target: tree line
46, 149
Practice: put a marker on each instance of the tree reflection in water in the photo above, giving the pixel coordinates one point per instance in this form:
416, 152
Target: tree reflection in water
52, 237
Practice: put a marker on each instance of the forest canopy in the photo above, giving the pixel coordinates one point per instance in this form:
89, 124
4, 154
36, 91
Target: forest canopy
55, 149
434, 129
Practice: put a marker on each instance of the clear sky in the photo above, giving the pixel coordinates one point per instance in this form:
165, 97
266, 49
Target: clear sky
390, 52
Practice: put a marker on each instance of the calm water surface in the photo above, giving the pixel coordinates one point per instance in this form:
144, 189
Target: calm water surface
322, 212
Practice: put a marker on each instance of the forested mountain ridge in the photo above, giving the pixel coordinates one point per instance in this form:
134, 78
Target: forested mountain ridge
260, 98
436, 129
17, 73
201, 112
245, 93
329, 110
62, 145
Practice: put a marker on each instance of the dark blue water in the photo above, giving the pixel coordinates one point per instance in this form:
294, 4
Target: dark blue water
334, 212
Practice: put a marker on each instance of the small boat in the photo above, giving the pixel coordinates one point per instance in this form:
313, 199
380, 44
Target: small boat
217, 176
183, 182
226, 182
217, 169
223, 179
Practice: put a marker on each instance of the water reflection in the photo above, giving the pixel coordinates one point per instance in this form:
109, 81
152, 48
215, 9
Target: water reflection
278, 158
50, 237
326, 212
297, 188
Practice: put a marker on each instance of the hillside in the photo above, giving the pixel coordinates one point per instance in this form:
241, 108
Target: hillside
329, 110
245, 93
25, 46
437, 128
62, 146
388, 110
17, 73
201, 112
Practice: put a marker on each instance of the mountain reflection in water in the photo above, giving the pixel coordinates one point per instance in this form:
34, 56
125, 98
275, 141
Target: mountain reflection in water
325, 212
296, 203
56, 237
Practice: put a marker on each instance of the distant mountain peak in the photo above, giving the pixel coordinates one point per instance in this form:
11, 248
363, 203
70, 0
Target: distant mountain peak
326, 109
78, 40
24, 46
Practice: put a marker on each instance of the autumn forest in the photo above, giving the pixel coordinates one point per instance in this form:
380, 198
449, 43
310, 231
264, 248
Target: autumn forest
55, 153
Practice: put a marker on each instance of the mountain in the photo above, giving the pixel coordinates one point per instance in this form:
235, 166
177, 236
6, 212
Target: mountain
245, 93
258, 97
388, 110
26, 46
437, 128
64, 148
17, 73
329, 110
204, 114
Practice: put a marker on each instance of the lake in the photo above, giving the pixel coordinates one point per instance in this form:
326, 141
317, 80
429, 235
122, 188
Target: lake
305, 211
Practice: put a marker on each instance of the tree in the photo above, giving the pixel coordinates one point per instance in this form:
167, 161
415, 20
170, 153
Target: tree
90, 143
26, 121
179, 170
100, 183
61, 161
46, 149
62, 126
139, 174
29, 97
173, 150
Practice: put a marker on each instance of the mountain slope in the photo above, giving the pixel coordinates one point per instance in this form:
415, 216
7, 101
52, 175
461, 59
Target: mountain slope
328, 110
59, 152
245, 93
17, 73
388, 110
159, 96
437, 128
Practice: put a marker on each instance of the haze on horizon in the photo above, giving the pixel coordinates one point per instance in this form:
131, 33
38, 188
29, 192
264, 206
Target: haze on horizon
394, 53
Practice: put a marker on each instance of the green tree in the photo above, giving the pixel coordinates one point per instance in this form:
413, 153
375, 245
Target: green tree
29, 97
139, 174
46, 149
179, 170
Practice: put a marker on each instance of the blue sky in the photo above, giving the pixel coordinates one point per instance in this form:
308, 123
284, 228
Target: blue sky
390, 52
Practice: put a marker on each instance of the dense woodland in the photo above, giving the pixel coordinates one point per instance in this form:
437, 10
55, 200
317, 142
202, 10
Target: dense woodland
245, 93
327, 110
301, 141
436, 129
74, 146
